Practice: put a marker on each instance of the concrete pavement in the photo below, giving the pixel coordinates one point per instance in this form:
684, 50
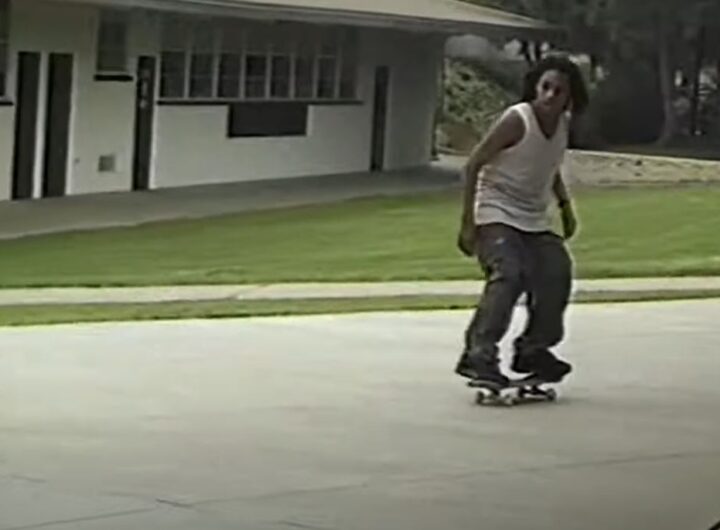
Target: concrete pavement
297, 291
356, 422
106, 210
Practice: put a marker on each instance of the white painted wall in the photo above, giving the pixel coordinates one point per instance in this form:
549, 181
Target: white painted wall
102, 118
7, 133
192, 146
414, 86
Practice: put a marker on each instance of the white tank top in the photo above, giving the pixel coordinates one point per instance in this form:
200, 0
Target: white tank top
516, 187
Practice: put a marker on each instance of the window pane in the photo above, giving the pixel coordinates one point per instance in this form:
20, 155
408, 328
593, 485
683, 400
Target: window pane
201, 76
112, 42
3, 57
255, 76
174, 57
202, 61
280, 82
4, 15
111, 61
172, 75
304, 77
276, 118
348, 77
326, 77
229, 75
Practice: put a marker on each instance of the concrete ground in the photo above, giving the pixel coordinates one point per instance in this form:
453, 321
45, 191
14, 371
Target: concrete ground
582, 289
356, 422
106, 210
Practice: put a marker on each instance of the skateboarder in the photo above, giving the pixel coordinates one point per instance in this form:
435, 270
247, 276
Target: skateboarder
511, 179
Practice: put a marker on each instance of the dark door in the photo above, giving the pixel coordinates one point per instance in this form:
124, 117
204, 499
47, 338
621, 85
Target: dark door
25, 125
57, 124
144, 115
382, 82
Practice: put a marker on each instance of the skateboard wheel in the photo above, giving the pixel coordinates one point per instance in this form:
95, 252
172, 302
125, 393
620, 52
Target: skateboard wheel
552, 395
509, 401
480, 398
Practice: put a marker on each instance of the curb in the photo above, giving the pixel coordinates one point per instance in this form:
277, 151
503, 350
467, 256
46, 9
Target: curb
648, 288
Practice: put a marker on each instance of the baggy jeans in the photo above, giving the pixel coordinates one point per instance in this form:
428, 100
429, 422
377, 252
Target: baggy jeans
517, 262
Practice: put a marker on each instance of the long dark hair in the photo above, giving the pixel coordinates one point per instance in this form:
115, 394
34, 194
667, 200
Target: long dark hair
578, 90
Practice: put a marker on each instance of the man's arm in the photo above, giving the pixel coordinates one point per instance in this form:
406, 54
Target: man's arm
560, 190
567, 212
507, 132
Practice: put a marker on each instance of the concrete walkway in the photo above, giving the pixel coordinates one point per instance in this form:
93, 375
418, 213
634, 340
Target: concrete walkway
88, 212
357, 423
619, 287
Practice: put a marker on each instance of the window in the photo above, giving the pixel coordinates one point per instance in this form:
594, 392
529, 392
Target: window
256, 63
112, 42
231, 60
255, 76
327, 68
281, 65
202, 61
280, 76
327, 75
305, 72
173, 67
274, 118
4, 41
348, 69
348, 78
231, 63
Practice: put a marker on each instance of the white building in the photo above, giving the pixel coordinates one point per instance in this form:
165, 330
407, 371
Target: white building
114, 95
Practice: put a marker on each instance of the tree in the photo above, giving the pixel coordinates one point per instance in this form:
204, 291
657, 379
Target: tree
657, 40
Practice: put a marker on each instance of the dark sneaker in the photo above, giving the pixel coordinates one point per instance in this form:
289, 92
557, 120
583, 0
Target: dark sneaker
479, 368
464, 369
543, 365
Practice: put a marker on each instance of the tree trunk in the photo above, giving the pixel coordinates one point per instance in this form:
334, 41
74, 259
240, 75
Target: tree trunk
538, 51
525, 50
697, 79
667, 83
594, 64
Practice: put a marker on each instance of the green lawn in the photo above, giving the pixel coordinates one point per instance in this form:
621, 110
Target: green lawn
637, 232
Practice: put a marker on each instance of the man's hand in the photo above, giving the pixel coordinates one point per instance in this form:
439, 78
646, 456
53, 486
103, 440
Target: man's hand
569, 220
466, 239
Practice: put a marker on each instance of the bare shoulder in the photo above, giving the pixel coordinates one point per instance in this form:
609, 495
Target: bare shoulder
506, 132
510, 128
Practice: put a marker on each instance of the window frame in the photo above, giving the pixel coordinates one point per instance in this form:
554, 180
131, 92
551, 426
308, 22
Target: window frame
110, 16
298, 51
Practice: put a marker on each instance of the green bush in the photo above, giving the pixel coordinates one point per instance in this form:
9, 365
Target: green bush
472, 101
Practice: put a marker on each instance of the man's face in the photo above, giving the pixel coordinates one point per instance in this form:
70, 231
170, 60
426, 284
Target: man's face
553, 92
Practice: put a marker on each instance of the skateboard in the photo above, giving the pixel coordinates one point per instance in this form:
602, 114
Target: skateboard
527, 390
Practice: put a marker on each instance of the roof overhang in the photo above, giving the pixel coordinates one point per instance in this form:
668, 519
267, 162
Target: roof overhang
451, 17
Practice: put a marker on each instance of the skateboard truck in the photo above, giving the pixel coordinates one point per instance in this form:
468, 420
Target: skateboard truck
529, 389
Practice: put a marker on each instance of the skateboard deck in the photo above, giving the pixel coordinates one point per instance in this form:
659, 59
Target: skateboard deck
517, 391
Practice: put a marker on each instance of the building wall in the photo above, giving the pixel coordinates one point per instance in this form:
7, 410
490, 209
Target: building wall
191, 143
192, 146
7, 115
102, 114
415, 79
